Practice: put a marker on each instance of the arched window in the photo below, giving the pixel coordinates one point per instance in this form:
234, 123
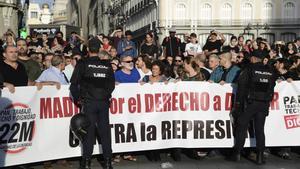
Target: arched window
289, 10
227, 13
247, 12
206, 13
180, 11
268, 11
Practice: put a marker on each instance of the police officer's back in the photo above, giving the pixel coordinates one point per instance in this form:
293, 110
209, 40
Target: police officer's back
92, 83
254, 92
95, 79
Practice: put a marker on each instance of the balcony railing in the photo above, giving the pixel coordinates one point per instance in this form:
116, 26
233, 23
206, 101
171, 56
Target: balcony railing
215, 22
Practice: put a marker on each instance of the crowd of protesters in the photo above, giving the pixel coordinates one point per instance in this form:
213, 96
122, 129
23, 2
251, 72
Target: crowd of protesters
39, 60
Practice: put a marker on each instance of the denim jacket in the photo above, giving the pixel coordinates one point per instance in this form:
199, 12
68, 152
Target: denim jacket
123, 44
232, 75
216, 74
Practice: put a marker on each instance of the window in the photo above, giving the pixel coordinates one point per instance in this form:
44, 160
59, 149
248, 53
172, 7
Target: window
268, 11
289, 10
180, 11
288, 37
227, 13
34, 15
247, 12
206, 14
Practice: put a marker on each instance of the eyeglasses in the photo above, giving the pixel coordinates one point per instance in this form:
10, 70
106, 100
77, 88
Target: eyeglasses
178, 60
129, 61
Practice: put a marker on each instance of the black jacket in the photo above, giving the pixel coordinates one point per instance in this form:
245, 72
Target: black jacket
1, 81
92, 79
256, 82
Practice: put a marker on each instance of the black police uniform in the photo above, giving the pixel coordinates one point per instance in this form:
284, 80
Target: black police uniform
92, 83
1, 81
254, 92
1, 84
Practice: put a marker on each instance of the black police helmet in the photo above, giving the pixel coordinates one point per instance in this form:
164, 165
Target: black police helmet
79, 125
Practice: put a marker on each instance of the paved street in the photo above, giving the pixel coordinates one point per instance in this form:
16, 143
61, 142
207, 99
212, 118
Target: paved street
273, 162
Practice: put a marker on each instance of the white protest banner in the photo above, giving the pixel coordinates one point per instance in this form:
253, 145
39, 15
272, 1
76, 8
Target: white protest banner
34, 125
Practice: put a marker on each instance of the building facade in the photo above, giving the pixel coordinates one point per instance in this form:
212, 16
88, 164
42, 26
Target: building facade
90, 15
98, 17
39, 15
60, 12
11, 12
77, 15
271, 19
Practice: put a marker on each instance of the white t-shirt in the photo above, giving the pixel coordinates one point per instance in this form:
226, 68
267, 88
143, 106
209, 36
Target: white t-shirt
193, 48
142, 74
69, 71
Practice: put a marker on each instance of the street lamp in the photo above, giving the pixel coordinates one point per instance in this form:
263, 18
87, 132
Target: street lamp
256, 27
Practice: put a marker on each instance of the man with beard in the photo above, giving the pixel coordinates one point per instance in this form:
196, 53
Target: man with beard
32, 67
143, 65
128, 74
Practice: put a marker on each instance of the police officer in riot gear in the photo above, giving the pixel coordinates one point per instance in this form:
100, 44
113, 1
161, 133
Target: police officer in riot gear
92, 83
255, 89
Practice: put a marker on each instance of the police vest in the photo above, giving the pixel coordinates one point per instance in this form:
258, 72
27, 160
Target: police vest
96, 80
96, 73
261, 83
